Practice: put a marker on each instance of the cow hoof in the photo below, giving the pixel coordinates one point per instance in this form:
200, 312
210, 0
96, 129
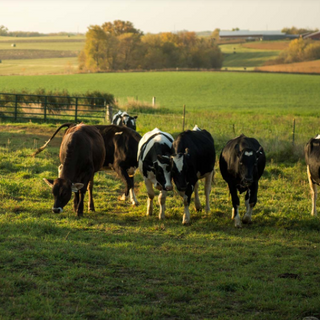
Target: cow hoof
122, 198
237, 222
135, 204
246, 220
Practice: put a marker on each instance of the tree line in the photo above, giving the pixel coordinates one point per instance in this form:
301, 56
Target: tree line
120, 46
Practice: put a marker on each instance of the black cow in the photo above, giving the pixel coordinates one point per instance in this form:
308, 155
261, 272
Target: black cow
82, 153
242, 163
154, 151
123, 119
194, 159
312, 156
121, 145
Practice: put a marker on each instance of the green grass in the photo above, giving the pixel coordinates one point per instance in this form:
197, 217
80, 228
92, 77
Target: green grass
67, 46
237, 56
119, 264
239, 93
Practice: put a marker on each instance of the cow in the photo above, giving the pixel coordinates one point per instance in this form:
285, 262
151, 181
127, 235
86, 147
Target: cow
82, 153
194, 159
312, 156
123, 119
154, 151
242, 163
121, 145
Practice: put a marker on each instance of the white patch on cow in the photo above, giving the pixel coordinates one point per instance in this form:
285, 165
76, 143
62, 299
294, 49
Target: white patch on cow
60, 170
313, 189
248, 153
318, 136
133, 198
158, 138
165, 173
121, 132
59, 208
132, 122
196, 128
178, 162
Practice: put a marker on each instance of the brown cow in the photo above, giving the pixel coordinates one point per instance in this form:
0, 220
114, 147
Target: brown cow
82, 153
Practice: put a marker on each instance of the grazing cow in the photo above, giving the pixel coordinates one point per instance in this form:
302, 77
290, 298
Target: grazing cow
242, 162
154, 151
121, 145
123, 119
82, 153
194, 159
312, 156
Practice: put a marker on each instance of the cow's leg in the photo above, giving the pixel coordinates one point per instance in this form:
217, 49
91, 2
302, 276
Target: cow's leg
90, 196
186, 201
129, 184
196, 197
251, 200
207, 189
313, 188
235, 206
82, 192
150, 191
76, 201
162, 203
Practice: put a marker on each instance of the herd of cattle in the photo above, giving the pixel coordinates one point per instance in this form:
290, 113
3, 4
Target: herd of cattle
161, 159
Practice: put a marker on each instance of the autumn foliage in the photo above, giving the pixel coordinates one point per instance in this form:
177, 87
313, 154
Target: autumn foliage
120, 46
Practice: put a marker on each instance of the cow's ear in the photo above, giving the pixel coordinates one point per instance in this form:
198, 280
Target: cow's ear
75, 187
237, 149
49, 182
259, 152
135, 117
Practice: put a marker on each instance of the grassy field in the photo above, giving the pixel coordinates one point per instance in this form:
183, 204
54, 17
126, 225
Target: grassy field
119, 264
220, 92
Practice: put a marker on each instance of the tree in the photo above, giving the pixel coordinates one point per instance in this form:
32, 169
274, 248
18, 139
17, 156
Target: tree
3, 31
119, 27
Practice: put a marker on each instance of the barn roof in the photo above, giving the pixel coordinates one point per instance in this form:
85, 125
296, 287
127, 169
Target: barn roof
247, 33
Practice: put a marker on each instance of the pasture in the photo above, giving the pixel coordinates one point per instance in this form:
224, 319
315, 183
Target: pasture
117, 263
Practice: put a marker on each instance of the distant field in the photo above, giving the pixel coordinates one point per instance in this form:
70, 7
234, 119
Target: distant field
300, 67
242, 56
267, 45
215, 91
39, 66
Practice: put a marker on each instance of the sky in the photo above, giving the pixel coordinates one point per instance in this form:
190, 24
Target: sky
154, 16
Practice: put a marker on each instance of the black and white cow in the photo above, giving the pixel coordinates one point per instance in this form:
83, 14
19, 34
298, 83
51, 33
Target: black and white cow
312, 156
154, 151
194, 159
123, 119
242, 163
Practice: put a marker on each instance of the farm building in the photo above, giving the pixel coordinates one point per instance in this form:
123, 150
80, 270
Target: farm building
313, 36
256, 35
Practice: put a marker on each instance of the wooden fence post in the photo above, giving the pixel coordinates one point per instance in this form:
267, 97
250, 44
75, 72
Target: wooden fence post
109, 114
153, 101
16, 108
293, 130
45, 109
184, 116
76, 111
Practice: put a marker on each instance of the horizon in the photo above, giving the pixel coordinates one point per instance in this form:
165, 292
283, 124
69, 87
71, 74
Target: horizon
156, 16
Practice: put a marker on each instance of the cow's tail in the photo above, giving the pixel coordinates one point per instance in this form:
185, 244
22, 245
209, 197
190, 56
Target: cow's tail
45, 145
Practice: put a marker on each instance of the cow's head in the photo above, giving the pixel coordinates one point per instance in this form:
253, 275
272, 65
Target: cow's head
128, 121
62, 190
180, 169
248, 165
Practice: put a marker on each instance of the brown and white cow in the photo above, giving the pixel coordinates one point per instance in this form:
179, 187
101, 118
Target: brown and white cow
82, 153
